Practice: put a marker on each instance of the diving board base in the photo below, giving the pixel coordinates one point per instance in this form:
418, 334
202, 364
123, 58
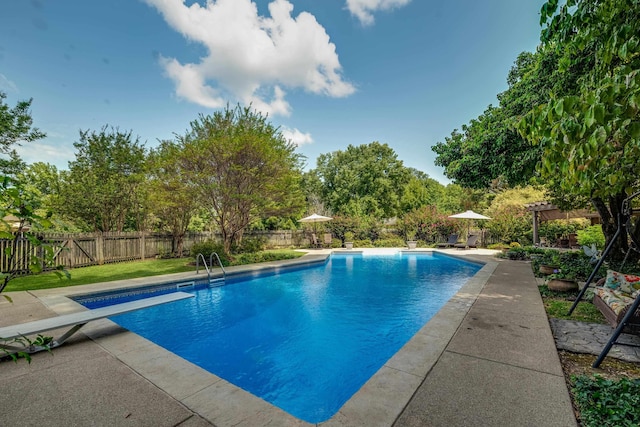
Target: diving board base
16, 333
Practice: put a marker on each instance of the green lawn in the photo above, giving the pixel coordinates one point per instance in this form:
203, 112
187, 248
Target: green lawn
130, 270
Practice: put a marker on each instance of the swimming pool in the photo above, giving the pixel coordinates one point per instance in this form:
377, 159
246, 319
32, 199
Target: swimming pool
307, 340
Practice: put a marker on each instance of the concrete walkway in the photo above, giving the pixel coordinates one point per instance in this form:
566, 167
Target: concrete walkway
498, 366
501, 367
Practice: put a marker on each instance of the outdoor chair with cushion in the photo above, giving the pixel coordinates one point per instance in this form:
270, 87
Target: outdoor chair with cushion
470, 243
453, 239
314, 241
328, 239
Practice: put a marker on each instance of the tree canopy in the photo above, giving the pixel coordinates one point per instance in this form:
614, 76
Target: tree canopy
591, 139
103, 187
241, 168
365, 180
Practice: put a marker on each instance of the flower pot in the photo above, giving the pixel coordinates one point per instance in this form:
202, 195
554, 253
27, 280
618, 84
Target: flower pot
548, 269
411, 244
348, 245
562, 285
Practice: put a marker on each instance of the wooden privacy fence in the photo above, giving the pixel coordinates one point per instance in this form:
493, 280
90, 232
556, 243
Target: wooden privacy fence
84, 249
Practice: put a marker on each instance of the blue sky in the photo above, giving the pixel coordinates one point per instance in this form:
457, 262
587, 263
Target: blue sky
330, 73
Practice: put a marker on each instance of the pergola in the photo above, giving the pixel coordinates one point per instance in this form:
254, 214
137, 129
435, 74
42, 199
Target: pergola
545, 211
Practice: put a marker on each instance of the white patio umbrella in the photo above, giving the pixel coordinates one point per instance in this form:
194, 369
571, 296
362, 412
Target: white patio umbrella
314, 218
469, 215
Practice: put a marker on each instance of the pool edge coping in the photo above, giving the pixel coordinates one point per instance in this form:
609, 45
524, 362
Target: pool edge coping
379, 401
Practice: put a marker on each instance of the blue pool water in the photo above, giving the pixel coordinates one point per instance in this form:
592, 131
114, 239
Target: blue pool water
306, 340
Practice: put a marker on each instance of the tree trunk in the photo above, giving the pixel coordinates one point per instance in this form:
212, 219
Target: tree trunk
611, 216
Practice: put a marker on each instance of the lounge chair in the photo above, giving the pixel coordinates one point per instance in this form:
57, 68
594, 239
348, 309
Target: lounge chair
453, 239
470, 243
314, 241
328, 239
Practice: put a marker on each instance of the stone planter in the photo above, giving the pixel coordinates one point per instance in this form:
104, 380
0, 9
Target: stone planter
348, 245
562, 285
411, 244
548, 269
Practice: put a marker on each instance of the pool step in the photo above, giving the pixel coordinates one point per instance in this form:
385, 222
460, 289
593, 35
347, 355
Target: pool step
219, 281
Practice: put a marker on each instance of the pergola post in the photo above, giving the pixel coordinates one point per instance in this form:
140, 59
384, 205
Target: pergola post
536, 239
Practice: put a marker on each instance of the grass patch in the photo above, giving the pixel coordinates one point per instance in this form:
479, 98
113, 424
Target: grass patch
557, 305
102, 273
132, 270
584, 312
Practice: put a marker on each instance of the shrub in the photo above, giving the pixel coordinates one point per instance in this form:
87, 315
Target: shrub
516, 253
255, 257
426, 224
251, 244
604, 402
208, 247
510, 223
560, 227
591, 235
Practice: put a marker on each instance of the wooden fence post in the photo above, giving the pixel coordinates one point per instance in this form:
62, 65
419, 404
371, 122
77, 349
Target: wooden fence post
142, 245
100, 248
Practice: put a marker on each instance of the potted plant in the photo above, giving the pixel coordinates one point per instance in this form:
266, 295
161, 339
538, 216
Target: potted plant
562, 281
550, 264
411, 239
348, 240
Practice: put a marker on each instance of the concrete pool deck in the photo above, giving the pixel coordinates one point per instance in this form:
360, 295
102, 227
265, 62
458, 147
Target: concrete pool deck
487, 358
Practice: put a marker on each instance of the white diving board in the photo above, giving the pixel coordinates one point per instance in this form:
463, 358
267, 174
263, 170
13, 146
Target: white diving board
76, 321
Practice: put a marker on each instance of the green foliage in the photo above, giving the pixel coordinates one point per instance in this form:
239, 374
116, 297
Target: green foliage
251, 244
103, 187
349, 236
265, 256
510, 223
516, 253
591, 136
209, 247
242, 169
340, 225
573, 265
558, 304
591, 235
169, 192
489, 152
18, 202
420, 191
555, 229
606, 402
16, 124
426, 224
24, 342
364, 180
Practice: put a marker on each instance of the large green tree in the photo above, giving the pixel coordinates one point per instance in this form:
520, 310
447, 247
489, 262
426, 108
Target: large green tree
591, 139
241, 169
363, 180
420, 191
16, 127
489, 151
103, 187
170, 193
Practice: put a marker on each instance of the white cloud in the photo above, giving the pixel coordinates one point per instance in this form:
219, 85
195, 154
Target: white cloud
296, 136
58, 154
252, 58
364, 9
7, 85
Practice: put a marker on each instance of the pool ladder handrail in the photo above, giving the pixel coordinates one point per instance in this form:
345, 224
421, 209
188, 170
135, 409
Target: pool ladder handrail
204, 262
